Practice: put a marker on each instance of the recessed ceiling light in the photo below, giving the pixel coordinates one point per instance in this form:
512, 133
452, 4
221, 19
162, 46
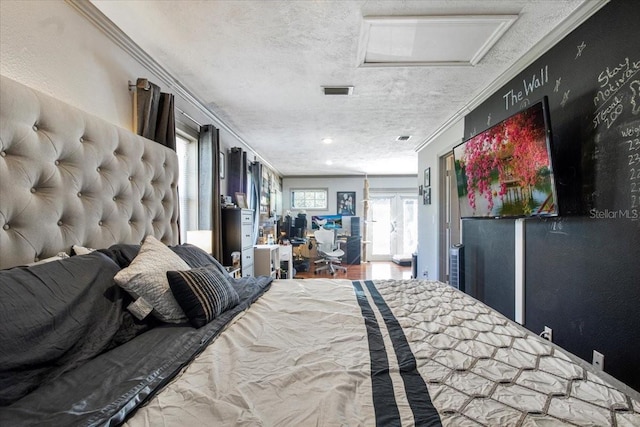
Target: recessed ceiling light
329, 162
403, 138
327, 140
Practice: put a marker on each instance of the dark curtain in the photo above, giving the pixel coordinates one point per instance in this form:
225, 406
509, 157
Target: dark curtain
155, 118
237, 171
254, 198
209, 201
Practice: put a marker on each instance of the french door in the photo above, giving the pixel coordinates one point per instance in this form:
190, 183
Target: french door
449, 215
392, 226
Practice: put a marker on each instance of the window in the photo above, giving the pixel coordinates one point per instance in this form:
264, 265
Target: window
187, 151
309, 199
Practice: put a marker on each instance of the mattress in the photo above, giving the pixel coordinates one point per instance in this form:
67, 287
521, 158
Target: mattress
334, 352
402, 259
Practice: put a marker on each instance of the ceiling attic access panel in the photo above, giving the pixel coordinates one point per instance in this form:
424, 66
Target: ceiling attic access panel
451, 40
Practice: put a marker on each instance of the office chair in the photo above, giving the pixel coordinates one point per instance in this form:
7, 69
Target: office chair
330, 254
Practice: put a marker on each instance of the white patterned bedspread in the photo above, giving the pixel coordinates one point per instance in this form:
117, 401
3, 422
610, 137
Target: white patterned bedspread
320, 352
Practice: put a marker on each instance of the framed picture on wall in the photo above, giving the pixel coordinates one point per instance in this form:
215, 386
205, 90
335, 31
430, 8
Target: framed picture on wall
427, 177
346, 203
426, 196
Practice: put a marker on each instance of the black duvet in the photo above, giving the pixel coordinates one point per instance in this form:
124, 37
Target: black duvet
71, 354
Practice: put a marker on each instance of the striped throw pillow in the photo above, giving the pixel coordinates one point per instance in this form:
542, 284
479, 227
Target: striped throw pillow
203, 293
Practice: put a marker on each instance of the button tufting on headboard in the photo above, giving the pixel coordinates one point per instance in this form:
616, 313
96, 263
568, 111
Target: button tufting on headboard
63, 172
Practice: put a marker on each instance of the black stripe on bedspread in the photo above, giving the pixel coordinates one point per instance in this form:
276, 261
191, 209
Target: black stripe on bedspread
424, 413
384, 401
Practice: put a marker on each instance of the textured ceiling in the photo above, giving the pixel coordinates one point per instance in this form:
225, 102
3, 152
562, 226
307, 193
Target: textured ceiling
260, 66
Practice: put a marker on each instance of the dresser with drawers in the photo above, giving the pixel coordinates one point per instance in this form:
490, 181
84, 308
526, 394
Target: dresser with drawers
237, 236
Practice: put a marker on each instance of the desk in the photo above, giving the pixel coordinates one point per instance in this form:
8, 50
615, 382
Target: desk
305, 248
299, 257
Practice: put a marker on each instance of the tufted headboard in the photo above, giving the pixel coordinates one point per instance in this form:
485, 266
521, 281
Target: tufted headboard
67, 177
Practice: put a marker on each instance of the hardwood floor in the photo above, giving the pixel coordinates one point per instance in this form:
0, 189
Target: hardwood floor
366, 271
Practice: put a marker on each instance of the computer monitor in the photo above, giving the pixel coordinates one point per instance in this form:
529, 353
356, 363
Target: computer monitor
334, 222
299, 228
287, 224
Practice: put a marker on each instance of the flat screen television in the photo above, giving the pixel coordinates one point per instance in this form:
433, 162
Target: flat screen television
334, 222
506, 171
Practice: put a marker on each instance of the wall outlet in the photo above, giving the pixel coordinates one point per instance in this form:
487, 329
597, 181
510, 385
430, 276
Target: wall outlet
548, 334
598, 360
425, 273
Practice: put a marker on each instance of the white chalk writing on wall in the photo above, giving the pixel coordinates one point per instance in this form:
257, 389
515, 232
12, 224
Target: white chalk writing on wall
635, 97
631, 139
581, 47
608, 100
515, 97
565, 98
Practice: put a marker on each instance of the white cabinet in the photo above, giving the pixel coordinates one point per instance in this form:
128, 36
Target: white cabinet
266, 260
269, 259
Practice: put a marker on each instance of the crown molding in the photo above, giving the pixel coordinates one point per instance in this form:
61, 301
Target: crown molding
90, 12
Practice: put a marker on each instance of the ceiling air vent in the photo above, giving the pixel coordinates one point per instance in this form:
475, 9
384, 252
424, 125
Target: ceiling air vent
403, 138
337, 90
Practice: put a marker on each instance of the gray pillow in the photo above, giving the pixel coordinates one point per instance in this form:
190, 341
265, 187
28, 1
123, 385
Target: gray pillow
146, 278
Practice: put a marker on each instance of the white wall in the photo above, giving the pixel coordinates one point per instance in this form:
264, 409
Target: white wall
48, 46
429, 215
51, 47
343, 183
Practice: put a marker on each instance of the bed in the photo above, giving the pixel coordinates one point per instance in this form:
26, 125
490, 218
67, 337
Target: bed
402, 259
99, 205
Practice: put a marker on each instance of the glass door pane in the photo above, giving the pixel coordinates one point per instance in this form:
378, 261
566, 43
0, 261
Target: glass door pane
187, 151
408, 225
380, 224
393, 224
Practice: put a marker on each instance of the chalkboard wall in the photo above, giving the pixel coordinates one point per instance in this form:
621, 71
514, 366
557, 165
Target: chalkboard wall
582, 269
486, 243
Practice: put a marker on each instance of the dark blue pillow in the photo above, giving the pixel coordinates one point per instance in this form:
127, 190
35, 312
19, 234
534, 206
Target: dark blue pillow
203, 293
195, 257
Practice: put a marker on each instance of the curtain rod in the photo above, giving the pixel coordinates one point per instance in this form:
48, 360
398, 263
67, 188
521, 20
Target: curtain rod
144, 85
188, 116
